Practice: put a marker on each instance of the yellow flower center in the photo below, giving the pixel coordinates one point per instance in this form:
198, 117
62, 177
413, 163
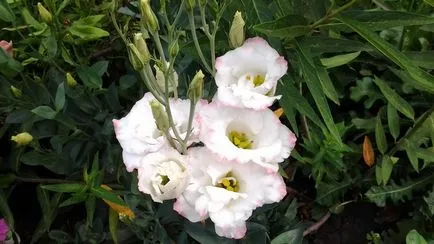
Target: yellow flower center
229, 183
257, 79
240, 140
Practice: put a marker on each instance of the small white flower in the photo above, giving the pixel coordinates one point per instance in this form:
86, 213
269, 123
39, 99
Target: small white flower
163, 174
245, 135
138, 134
247, 76
172, 80
226, 192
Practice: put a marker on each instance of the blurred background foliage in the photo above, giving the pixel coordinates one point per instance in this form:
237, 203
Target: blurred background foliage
359, 94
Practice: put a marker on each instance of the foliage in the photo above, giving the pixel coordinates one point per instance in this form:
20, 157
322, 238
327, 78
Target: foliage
356, 69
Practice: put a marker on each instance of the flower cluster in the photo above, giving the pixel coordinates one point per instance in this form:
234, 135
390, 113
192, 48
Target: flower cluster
235, 171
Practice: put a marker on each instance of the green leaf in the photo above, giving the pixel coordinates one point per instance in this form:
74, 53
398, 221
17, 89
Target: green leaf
394, 99
386, 169
44, 112
90, 210
100, 67
6, 179
379, 194
28, 18
113, 225
322, 44
412, 157
90, 77
72, 187
327, 84
378, 174
430, 2
421, 77
380, 136
330, 193
6, 211
314, 86
413, 237
44, 202
76, 198
89, 20
422, 59
292, 98
201, 234
107, 195
87, 33
60, 97
5, 13
287, 27
289, 237
393, 121
429, 200
59, 236
339, 60
51, 46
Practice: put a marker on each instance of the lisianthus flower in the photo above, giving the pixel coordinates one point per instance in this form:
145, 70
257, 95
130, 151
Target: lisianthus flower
4, 229
163, 174
138, 134
247, 76
7, 47
226, 192
245, 135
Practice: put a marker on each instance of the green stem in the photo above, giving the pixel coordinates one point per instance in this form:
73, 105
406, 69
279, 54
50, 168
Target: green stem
117, 28
150, 87
190, 122
196, 42
332, 14
420, 121
178, 15
404, 29
157, 41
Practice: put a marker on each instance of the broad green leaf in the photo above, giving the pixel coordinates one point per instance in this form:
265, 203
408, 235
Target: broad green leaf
287, 27
429, 200
200, 233
327, 84
51, 46
89, 20
421, 77
291, 97
60, 97
413, 237
394, 99
76, 198
380, 136
322, 44
72, 187
44, 112
90, 77
100, 67
378, 174
107, 195
386, 169
314, 85
393, 121
412, 157
339, 60
28, 18
365, 88
5, 13
87, 33
330, 193
289, 237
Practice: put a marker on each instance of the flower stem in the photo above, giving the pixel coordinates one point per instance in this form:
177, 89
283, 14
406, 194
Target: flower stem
196, 42
190, 122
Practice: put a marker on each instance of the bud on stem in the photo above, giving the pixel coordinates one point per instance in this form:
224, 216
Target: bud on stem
236, 33
148, 15
195, 90
135, 57
174, 48
190, 4
160, 116
22, 139
70, 81
44, 13
16, 92
141, 46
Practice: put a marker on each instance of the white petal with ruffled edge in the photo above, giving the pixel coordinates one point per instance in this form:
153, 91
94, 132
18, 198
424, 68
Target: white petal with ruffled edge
163, 174
271, 141
236, 72
228, 210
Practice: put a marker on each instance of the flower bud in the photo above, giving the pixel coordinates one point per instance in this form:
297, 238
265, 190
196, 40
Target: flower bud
236, 33
16, 92
70, 81
160, 115
135, 57
22, 139
7, 47
141, 46
202, 3
174, 48
195, 90
148, 15
161, 82
45, 14
190, 4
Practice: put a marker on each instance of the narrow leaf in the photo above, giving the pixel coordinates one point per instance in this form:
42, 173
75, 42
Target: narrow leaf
386, 169
60, 97
287, 27
394, 99
44, 112
339, 60
113, 225
380, 136
378, 176
327, 84
107, 195
73, 187
393, 121
412, 157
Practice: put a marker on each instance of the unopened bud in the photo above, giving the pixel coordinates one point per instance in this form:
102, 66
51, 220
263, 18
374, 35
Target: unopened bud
45, 14
236, 33
195, 90
141, 46
174, 48
190, 4
135, 57
148, 15
16, 92
22, 139
202, 2
70, 81
160, 115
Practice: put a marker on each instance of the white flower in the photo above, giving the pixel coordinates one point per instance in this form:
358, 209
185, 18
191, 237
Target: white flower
163, 174
247, 76
245, 135
226, 192
172, 80
138, 134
